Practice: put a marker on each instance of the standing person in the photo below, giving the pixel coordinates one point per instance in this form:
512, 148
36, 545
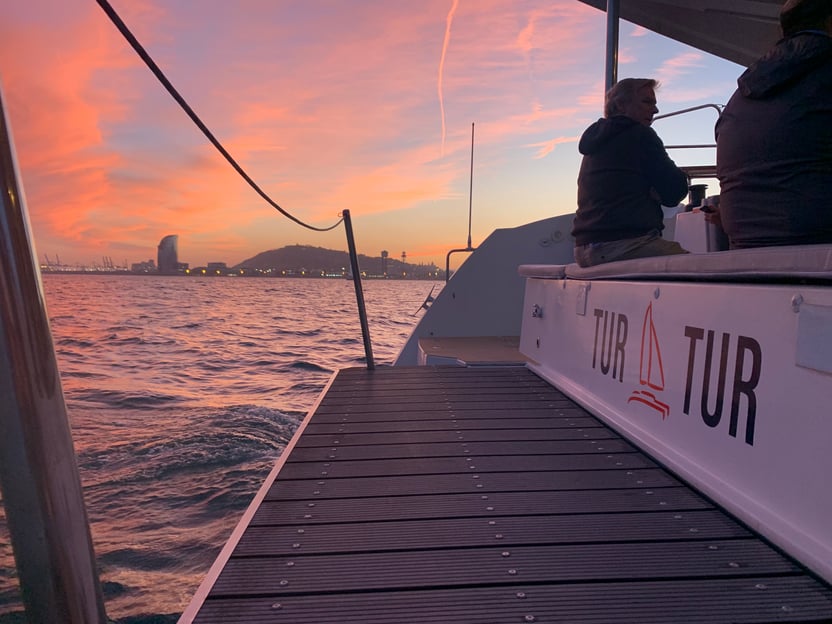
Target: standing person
625, 177
774, 138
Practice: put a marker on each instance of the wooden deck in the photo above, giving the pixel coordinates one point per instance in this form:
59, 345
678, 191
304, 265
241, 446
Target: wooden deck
460, 495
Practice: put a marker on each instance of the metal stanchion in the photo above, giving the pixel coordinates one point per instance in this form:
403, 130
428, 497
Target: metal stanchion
42, 493
359, 293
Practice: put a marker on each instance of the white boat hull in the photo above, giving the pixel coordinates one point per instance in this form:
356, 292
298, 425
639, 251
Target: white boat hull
727, 384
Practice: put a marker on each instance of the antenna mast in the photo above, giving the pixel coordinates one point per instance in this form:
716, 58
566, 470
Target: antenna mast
471, 186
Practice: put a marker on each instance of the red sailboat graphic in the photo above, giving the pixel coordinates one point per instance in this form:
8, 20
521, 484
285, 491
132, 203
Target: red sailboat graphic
651, 370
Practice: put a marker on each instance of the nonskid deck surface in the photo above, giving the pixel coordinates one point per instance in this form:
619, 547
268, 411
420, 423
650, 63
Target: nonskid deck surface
461, 495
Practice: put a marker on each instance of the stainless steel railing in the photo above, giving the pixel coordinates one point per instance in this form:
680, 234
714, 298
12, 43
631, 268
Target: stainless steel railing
39, 477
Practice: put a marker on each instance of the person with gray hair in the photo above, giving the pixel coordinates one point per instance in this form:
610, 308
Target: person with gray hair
774, 138
625, 177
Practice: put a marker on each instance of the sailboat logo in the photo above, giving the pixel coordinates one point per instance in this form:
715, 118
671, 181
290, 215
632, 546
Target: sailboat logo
651, 370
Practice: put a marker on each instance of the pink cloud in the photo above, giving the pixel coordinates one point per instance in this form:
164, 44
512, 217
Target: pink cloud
321, 115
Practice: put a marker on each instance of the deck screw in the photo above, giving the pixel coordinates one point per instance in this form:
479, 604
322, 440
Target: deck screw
489, 509
290, 564
505, 553
786, 608
648, 492
316, 492
475, 476
761, 586
479, 485
301, 531
324, 473
713, 547
310, 504
733, 564
694, 530
277, 606
498, 536
529, 618
484, 497
512, 571
284, 582
521, 594
307, 516
492, 522
296, 545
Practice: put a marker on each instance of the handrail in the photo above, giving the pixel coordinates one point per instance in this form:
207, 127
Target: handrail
42, 492
448, 259
717, 107
359, 292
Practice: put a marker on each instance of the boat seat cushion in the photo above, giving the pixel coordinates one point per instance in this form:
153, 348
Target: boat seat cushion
763, 263
545, 271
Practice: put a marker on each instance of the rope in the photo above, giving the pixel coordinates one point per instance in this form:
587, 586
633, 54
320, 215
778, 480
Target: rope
122, 27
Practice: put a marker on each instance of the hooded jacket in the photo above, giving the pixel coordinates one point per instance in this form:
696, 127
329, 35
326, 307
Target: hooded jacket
624, 178
774, 147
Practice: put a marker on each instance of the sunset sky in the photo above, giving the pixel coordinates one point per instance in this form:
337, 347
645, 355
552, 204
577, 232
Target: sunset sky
364, 105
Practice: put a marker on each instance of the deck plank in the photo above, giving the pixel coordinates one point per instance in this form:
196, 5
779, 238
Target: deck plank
450, 494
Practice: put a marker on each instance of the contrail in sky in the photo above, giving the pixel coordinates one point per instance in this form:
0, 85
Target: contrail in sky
448, 22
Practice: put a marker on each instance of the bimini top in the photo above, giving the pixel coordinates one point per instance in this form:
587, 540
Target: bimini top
737, 30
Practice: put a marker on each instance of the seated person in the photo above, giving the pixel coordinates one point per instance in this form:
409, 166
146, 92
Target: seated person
774, 138
625, 177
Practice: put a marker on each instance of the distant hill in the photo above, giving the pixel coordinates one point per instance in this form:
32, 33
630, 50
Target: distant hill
297, 258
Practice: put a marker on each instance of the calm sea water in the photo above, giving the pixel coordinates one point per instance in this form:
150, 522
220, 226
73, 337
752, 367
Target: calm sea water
182, 393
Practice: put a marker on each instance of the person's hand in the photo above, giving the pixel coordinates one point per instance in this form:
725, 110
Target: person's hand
711, 209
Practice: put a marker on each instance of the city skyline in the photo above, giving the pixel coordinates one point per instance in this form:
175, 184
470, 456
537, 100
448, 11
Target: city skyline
358, 105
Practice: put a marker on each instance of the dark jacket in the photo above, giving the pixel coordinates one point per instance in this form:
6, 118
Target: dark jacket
774, 147
624, 173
